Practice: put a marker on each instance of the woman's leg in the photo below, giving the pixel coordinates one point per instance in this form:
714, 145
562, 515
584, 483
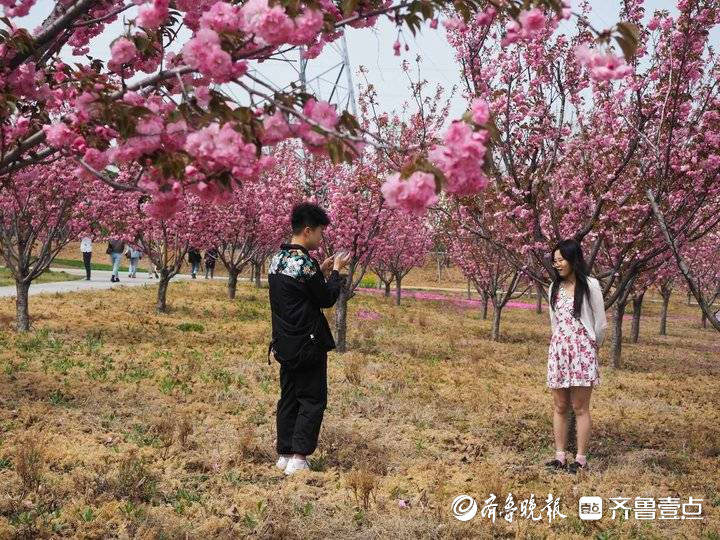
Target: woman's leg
561, 407
580, 397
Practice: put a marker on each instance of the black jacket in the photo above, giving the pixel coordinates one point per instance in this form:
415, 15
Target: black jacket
298, 292
194, 256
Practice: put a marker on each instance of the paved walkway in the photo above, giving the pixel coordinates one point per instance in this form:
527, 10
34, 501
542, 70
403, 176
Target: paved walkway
100, 279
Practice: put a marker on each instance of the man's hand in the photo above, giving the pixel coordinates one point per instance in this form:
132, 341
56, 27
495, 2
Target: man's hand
341, 261
327, 265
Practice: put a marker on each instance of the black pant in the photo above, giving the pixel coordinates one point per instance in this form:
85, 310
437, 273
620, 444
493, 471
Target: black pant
303, 398
86, 261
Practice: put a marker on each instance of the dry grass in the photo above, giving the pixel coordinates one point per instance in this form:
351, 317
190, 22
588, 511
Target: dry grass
116, 422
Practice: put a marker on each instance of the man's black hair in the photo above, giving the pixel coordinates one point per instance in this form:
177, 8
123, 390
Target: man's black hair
307, 215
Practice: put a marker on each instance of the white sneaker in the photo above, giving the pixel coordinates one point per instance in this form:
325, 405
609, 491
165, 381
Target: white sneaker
282, 462
294, 465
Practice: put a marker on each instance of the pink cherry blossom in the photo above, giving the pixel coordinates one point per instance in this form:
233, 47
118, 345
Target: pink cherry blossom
602, 67
415, 194
276, 128
461, 158
153, 14
205, 53
307, 25
480, 111
222, 17
123, 51
271, 25
59, 134
532, 21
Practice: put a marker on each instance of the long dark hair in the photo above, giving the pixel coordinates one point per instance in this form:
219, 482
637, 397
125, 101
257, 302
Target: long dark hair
571, 251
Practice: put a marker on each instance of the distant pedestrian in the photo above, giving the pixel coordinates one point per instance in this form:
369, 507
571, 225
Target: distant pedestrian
86, 249
211, 256
115, 249
134, 254
194, 259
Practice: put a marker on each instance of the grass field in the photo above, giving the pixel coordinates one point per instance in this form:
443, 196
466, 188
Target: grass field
116, 422
6, 279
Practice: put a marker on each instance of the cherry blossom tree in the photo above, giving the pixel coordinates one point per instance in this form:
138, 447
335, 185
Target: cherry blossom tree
157, 102
570, 124
255, 219
38, 217
494, 277
666, 284
163, 234
351, 195
163, 104
405, 246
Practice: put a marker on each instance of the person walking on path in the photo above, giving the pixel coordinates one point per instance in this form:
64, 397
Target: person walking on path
194, 259
577, 318
115, 249
301, 336
134, 254
86, 249
211, 256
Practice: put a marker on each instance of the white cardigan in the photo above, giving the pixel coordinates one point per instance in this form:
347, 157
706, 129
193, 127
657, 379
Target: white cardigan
592, 313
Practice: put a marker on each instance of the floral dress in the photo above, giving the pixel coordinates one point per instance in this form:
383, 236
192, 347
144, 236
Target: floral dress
572, 358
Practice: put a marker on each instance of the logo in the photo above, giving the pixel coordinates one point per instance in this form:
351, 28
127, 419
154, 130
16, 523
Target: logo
464, 507
590, 508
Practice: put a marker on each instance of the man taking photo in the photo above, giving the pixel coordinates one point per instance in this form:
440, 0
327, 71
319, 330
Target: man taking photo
300, 288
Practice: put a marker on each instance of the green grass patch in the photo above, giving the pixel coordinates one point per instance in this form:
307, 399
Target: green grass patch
72, 263
190, 327
48, 276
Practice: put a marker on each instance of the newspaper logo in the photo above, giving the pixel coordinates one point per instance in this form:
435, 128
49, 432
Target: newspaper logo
464, 507
590, 508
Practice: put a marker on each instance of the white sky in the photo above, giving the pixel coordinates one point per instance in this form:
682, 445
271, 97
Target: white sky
372, 48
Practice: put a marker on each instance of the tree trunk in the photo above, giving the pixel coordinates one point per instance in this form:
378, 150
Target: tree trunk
232, 283
161, 306
538, 300
497, 311
664, 312
398, 281
341, 321
485, 301
703, 320
258, 270
637, 312
468, 290
617, 334
387, 289
22, 313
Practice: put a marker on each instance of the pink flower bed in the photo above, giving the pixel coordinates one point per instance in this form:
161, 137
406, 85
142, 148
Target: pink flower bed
367, 315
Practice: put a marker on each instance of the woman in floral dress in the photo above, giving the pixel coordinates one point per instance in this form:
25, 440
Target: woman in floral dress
577, 317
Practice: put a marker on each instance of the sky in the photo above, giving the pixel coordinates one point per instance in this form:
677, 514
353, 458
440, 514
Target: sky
372, 49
